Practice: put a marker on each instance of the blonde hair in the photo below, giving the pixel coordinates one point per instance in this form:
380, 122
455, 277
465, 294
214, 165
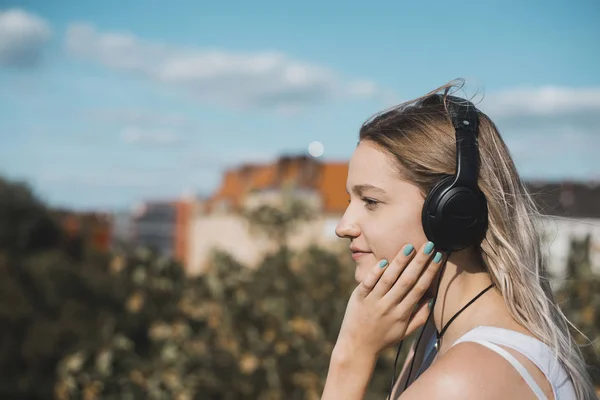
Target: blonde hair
420, 136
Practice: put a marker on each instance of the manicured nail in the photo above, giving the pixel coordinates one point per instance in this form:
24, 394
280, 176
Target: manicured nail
408, 249
428, 248
383, 263
438, 257
430, 304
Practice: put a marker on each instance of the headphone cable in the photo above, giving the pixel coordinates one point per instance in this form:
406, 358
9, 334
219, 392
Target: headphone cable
420, 335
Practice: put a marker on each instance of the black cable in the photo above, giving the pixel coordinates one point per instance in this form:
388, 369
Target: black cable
439, 335
437, 289
419, 338
445, 327
394, 372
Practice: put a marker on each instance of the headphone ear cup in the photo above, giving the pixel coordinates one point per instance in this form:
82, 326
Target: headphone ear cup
429, 217
454, 217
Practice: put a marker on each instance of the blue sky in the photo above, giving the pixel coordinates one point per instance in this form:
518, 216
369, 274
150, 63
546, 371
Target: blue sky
105, 104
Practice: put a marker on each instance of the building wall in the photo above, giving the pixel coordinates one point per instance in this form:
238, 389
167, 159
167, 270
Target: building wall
221, 232
184, 211
560, 232
233, 234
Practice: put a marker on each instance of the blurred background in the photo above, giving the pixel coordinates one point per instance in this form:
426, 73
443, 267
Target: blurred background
171, 175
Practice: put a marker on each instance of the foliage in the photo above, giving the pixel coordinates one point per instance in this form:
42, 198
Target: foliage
25, 222
579, 297
264, 333
278, 221
132, 325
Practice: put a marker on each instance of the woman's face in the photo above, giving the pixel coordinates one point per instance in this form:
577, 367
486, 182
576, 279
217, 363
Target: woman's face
384, 212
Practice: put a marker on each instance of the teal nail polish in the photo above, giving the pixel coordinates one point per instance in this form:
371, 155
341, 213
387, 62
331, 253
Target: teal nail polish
438, 257
428, 248
408, 249
430, 304
383, 263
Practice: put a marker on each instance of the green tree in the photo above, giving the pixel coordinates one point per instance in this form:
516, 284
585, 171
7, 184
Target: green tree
237, 332
26, 224
131, 325
579, 297
280, 220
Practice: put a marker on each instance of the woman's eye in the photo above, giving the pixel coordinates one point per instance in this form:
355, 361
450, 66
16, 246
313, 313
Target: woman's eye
370, 203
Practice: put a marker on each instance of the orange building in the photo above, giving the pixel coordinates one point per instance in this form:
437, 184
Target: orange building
216, 222
327, 179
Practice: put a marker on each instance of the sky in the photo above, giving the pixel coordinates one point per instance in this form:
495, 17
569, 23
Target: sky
106, 104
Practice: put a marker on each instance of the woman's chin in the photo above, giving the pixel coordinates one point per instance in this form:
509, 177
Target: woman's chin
360, 274
364, 263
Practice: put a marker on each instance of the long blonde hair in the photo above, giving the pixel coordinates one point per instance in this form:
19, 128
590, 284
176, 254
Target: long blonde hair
420, 136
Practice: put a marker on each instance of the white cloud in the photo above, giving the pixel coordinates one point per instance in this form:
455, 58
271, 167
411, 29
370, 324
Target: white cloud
555, 153
543, 101
552, 131
137, 126
249, 80
22, 38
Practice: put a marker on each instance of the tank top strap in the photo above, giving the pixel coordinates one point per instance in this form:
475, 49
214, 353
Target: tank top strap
540, 354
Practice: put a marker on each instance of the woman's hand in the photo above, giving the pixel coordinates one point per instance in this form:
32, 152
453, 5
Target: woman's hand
381, 310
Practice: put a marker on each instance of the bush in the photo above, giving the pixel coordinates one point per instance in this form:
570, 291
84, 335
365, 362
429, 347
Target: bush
131, 325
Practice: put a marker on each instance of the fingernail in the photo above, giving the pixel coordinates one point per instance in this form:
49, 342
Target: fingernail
428, 248
383, 263
438, 257
408, 249
430, 304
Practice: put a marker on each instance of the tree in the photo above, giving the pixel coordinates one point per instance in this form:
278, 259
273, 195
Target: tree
25, 222
278, 221
236, 332
579, 297
131, 325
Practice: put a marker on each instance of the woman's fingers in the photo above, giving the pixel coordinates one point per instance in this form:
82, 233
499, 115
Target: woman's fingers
418, 281
367, 284
401, 277
419, 319
395, 269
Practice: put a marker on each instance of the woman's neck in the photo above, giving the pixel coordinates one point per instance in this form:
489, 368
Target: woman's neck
464, 277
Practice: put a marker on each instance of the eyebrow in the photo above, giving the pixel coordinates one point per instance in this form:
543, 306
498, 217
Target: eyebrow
359, 189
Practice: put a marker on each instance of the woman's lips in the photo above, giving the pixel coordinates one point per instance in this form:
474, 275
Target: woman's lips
358, 254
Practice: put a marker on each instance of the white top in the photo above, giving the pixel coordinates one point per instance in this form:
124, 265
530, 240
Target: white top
538, 352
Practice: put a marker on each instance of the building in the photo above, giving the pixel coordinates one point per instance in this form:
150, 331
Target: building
84, 231
163, 227
572, 211
218, 222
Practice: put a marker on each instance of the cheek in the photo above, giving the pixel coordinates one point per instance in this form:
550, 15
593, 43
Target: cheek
390, 236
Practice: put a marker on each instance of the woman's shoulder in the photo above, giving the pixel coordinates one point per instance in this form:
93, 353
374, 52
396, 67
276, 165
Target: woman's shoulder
466, 371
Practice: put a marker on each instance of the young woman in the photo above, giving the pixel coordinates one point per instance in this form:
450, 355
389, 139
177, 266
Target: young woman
495, 330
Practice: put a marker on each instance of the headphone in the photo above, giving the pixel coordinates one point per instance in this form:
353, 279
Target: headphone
455, 212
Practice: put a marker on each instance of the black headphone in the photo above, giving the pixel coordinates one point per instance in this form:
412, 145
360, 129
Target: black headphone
455, 213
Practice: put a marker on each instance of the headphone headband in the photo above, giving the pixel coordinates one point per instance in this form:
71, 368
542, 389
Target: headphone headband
465, 120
